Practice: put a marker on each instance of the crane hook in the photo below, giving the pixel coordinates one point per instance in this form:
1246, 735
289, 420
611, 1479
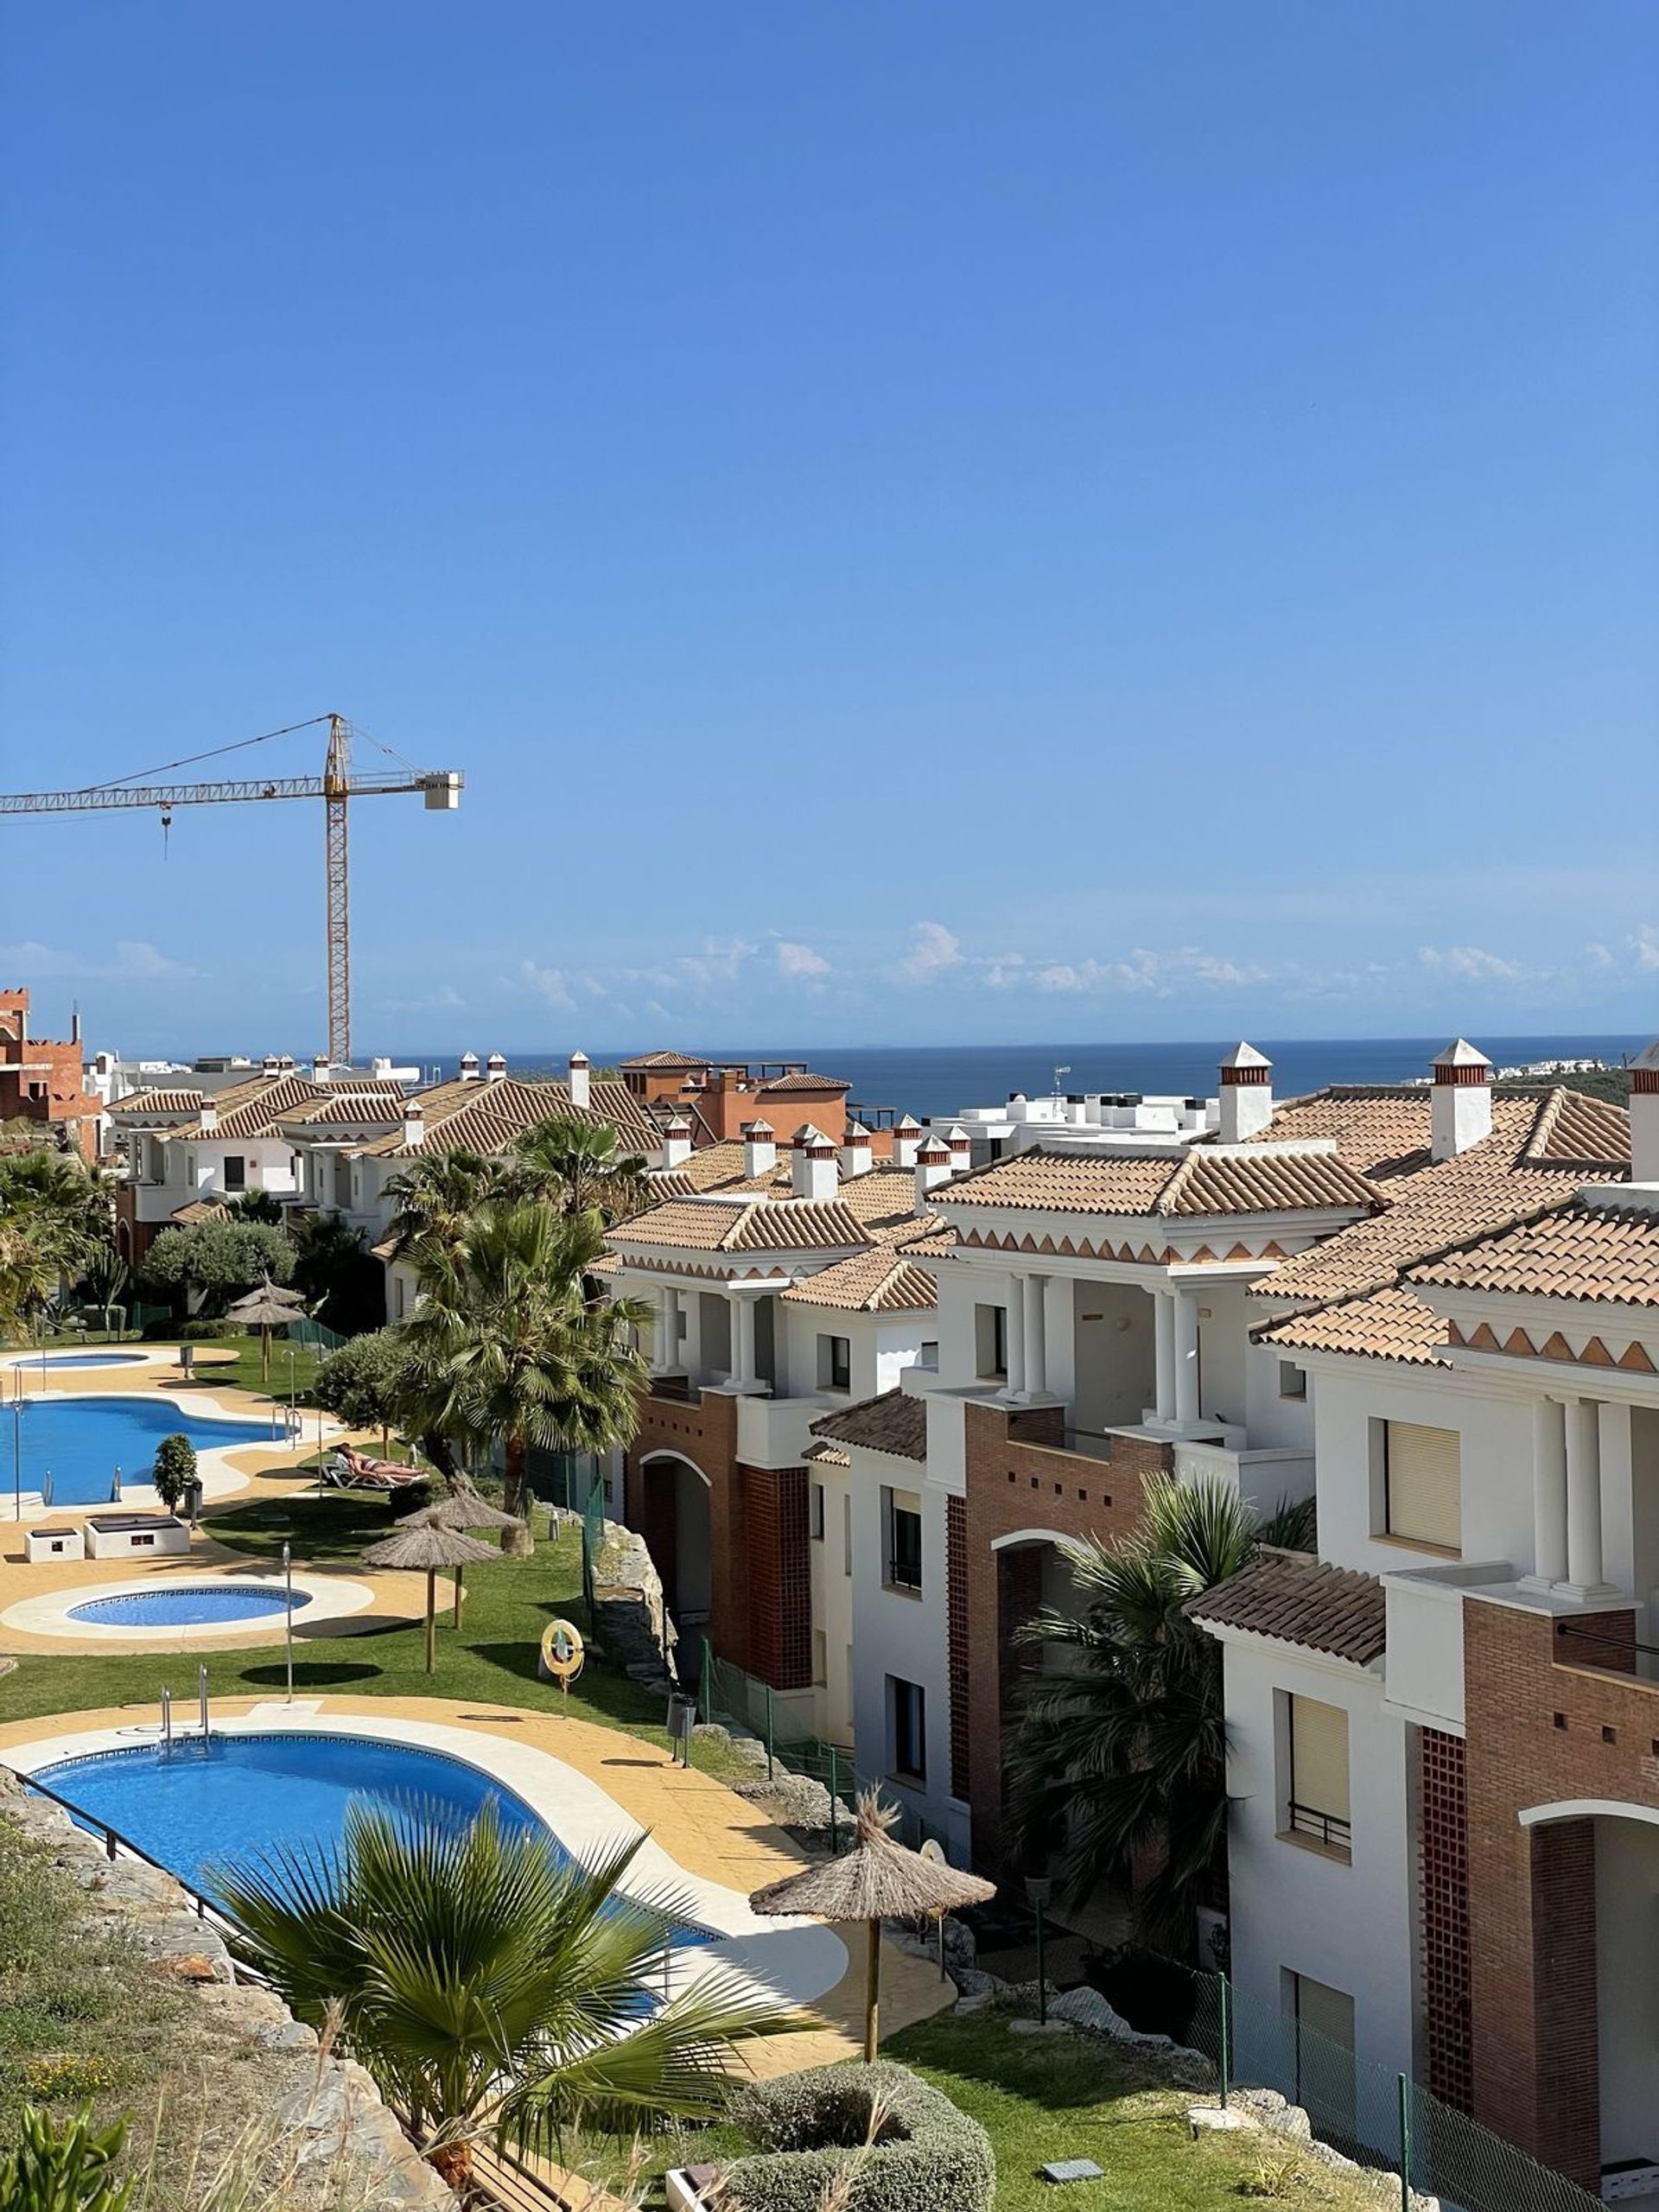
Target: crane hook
167, 824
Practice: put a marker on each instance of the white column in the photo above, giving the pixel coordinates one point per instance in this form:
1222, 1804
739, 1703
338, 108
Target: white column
670, 1329
743, 1374
1015, 1331
659, 1330
1584, 1494
1186, 1355
1548, 1490
1036, 1336
1163, 1318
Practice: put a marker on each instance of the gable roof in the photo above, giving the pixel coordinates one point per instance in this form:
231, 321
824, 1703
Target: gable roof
1300, 1600
753, 1225
1197, 1183
1387, 1324
1599, 1253
880, 1281
894, 1423
485, 1117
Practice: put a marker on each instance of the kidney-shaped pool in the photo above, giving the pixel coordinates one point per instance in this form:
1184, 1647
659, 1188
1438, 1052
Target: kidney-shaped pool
81, 1441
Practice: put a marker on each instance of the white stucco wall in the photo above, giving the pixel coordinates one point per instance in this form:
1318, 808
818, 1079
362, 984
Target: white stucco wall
1349, 1926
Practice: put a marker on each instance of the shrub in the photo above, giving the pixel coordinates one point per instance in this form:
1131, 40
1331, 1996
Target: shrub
205, 1332
813, 2126
363, 1381
174, 1470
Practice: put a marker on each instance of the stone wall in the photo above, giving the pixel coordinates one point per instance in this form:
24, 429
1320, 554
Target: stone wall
334, 2129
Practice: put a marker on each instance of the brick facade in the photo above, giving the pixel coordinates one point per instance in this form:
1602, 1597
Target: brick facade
41, 1079
1021, 1476
1543, 1728
1443, 1892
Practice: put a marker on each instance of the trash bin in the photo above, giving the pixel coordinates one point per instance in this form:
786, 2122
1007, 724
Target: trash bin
192, 1499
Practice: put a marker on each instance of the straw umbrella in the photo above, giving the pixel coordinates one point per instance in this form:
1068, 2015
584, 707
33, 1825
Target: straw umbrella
462, 1509
266, 1309
425, 1551
877, 1880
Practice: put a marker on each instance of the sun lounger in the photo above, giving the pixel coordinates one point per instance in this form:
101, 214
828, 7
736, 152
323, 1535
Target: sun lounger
349, 1470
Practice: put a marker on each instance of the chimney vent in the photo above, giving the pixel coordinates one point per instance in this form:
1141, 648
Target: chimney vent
469, 1067
1461, 1115
759, 1150
496, 1066
813, 1170
677, 1142
907, 1134
582, 1091
414, 1122
1246, 1093
1644, 1116
856, 1155
932, 1167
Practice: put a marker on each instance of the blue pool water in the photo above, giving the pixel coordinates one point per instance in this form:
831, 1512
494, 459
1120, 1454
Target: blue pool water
56, 1359
191, 1807
82, 1440
185, 1607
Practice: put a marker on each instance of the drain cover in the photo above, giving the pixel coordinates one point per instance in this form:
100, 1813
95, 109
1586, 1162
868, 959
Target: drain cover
1073, 2170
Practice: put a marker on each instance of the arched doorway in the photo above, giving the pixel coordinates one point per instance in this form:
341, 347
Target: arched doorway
677, 1533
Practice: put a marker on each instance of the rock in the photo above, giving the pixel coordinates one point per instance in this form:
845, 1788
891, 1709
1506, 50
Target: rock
977, 2001
192, 1966
1218, 2119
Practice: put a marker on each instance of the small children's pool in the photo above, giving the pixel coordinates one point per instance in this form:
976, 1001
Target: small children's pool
81, 1441
195, 1807
56, 1359
199, 1607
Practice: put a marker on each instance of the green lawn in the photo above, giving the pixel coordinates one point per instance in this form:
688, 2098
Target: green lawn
491, 1661
1040, 2098
298, 1362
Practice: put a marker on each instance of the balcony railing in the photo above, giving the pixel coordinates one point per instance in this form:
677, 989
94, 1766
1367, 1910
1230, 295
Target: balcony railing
1577, 1645
1329, 1828
904, 1574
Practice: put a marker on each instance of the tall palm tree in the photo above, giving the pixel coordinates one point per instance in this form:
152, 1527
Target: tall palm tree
1120, 1756
506, 1352
493, 1988
55, 1212
437, 1197
578, 1167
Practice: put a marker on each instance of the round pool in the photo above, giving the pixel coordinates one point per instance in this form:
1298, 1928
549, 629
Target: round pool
56, 1359
205, 1605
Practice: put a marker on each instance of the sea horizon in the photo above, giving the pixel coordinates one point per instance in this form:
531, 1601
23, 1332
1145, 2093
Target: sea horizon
935, 1079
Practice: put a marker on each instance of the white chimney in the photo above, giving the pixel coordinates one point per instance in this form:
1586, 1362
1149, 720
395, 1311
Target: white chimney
932, 1167
414, 1122
495, 1067
1462, 1112
907, 1134
1644, 1116
961, 1146
677, 1142
1246, 1093
208, 1117
320, 1068
271, 1065
582, 1089
469, 1067
759, 1150
857, 1157
813, 1169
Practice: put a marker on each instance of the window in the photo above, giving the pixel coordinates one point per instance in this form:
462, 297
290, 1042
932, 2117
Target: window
901, 1516
834, 1363
906, 1730
236, 1172
1316, 1803
991, 1343
1292, 1380
817, 1512
820, 1658
929, 1357
1324, 2054
1422, 1485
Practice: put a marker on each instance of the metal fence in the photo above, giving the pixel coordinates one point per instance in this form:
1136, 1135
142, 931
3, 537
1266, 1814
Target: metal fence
732, 1699
1383, 2121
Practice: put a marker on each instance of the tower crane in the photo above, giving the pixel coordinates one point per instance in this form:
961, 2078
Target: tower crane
338, 784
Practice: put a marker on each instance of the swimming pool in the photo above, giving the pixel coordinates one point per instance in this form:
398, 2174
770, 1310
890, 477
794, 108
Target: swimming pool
192, 1806
56, 1359
190, 1607
82, 1440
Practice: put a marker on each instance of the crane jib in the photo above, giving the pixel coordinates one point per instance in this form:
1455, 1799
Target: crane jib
96, 800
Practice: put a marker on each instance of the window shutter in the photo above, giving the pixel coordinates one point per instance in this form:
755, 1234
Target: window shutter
1319, 1756
1425, 1484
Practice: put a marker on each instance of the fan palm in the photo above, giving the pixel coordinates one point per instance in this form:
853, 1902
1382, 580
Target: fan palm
578, 1167
493, 1988
55, 1214
504, 1351
437, 1197
1120, 1751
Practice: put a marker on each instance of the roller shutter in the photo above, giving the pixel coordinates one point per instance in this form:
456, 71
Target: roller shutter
1425, 1486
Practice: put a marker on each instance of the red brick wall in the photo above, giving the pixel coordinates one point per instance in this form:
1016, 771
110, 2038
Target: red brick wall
1443, 1895
1544, 1729
1021, 1476
780, 1576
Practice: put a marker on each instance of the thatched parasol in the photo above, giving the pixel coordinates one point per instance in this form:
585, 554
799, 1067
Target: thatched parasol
877, 1879
462, 1509
266, 1309
425, 1551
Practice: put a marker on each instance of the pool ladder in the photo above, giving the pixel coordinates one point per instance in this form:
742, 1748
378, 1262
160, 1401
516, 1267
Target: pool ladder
202, 1703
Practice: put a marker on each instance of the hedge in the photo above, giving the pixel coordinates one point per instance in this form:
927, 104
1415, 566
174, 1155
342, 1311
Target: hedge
811, 2124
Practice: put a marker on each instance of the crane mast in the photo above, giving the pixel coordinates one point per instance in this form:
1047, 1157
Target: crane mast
339, 783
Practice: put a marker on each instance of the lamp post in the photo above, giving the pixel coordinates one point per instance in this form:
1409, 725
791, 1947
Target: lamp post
287, 1617
1038, 1889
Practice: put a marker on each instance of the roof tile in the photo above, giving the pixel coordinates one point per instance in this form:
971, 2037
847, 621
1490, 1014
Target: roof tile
1300, 1600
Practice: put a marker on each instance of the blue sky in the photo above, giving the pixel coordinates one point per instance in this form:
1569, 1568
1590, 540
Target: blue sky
918, 523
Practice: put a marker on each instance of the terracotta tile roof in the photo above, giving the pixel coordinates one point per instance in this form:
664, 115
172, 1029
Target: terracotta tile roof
615, 1103
485, 1117
1387, 1325
1581, 1131
359, 1103
250, 1109
202, 1210
1379, 1132
1199, 1183
930, 1243
894, 1423
1602, 1254
159, 1101
665, 1060
882, 1281
1300, 1600
827, 1455
884, 1199
803, 1079
753, 1224
668, 1182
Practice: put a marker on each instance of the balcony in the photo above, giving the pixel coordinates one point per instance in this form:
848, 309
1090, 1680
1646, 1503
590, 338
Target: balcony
1261, 1478
775, 1431
1424, 1663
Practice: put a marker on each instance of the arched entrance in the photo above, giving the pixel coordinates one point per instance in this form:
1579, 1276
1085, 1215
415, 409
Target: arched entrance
676, 1531
1031, 1577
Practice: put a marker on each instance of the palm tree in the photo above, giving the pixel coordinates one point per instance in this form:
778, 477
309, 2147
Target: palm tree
55, 1214
506, 1352
437, 1197
578, 1167
493, 1988
1120, 1756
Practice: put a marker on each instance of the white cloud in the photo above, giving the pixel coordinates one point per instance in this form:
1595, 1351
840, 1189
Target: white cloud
799, 962
1597, 956
933, 951
1645, 945
132, 961
547, 984
1470, 963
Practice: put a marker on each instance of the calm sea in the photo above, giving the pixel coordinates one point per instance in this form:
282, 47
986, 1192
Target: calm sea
944, 1078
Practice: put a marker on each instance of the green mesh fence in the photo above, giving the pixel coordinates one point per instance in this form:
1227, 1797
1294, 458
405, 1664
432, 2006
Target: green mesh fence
1381, 2119
732, 1699
322, 1339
